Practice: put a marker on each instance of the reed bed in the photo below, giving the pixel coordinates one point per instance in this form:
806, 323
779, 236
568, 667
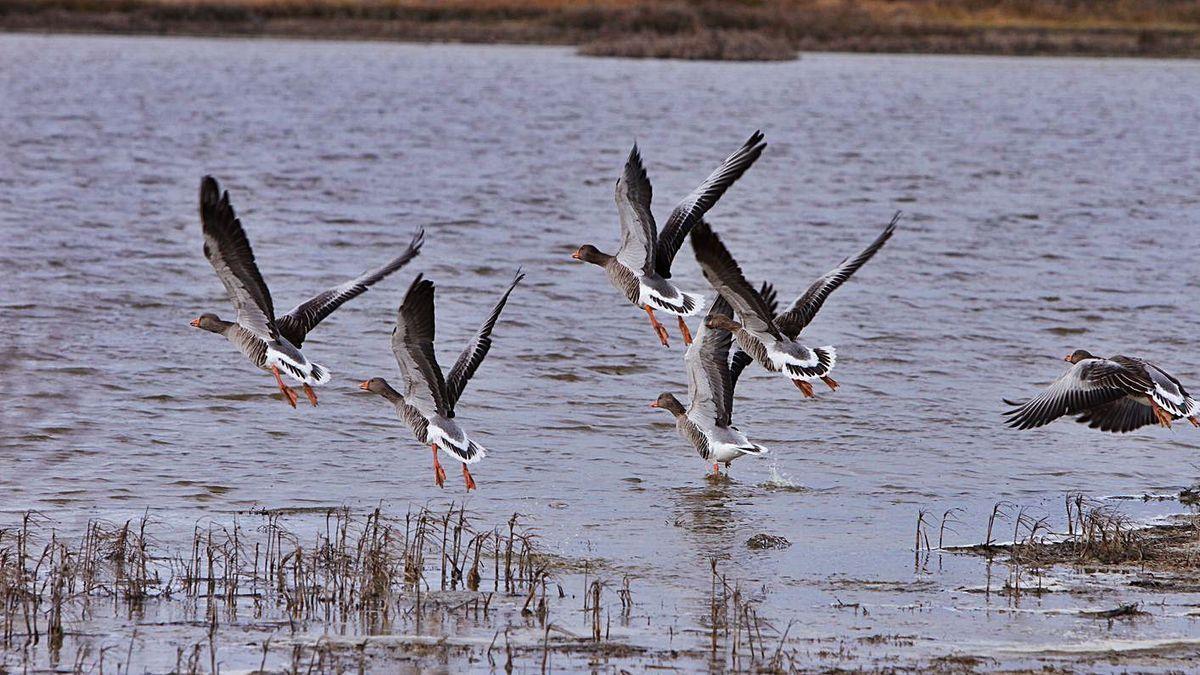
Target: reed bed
1092, 536
349, 575
336, 591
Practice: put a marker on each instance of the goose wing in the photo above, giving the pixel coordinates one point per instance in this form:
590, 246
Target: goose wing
412, 343
723, 272
296, 324
1119, 416
801, 313
740, 358
693, 207
468, 362
707, 359
1089, 383
639, 234
228, 251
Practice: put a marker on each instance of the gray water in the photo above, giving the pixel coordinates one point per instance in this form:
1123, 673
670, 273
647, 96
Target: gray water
1049, 205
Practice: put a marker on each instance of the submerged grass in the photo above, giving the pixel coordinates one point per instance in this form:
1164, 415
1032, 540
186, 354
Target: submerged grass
715, 29
340, 591
369, 575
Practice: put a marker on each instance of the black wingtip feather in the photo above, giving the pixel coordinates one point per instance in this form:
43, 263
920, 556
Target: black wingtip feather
635, 158
210, 190
417, 287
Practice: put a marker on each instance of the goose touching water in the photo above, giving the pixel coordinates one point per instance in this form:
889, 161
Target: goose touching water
1117, 394
641, 267
707, 421
270, 342
767, 338
428, 401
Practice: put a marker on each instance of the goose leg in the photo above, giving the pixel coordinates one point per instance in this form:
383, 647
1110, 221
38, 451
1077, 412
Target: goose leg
312, 395
467, 478
830, 382
439, 474
804, 387
1163, 417
287, 392
1195, 422
658, 328
687, 334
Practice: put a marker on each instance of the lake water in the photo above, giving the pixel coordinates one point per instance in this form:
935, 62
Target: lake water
1050, 204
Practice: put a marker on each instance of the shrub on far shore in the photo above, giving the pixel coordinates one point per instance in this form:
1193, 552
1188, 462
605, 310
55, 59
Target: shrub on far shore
704, 45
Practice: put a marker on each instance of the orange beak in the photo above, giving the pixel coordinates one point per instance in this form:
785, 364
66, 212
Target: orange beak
575, 255
1067, 357
654, 405
195, 323
364, 385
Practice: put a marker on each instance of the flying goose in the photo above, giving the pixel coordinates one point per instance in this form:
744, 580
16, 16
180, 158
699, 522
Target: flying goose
428, 400
1118, 394
706, 423
642, 264
768, 338
270, 342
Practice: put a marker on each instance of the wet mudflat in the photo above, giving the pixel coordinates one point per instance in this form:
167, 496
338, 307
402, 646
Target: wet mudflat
1048, 205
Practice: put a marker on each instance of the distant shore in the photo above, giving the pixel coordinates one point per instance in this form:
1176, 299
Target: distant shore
695, 29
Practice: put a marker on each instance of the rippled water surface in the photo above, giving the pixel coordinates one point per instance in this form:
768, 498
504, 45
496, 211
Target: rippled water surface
1049, 205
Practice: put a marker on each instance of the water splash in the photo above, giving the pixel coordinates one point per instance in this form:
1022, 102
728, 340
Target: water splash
778, 480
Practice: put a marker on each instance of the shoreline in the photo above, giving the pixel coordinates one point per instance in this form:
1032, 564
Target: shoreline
601, 30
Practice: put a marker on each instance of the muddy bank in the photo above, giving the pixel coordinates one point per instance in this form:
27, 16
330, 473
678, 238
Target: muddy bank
771, 30
1099, 541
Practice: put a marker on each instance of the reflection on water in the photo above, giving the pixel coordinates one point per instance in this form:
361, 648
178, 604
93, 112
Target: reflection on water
1047, 204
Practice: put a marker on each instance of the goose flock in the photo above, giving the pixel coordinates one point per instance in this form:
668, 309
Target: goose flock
1117, 394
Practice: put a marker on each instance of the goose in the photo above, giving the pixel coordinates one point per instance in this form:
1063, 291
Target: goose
768, 338
428, 402
707, 422
1117, 394
271, 342
641, 267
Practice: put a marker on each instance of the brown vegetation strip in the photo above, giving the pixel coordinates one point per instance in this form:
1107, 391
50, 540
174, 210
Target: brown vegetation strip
709, 29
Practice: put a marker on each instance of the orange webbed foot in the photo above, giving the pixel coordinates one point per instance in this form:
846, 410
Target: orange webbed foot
312, 395
830, 382
470, 482
659, 329
804, 387
683, 329
287, 391
1164, 418
439, 474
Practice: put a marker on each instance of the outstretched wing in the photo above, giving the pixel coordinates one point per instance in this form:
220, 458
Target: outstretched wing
296, 324
693, 207
412, 343
740, 358
707, 361
723, 272
1089, 383
229, 252
1119, 416
468, 362
806, 306
639, 234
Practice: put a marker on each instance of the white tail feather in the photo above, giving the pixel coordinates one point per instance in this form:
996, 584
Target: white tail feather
319, 374
687, 304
